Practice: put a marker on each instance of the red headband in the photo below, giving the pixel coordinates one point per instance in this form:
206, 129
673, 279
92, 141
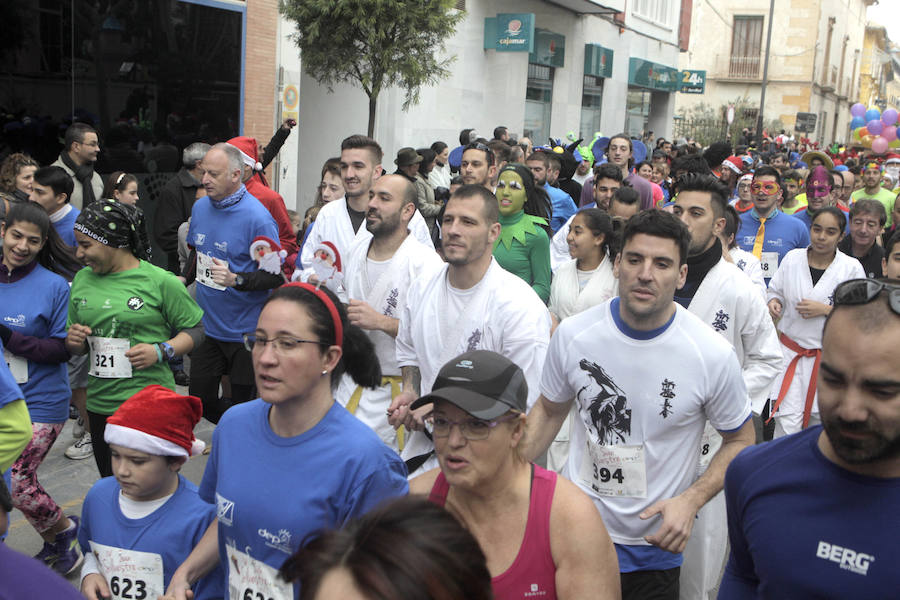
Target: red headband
332, 309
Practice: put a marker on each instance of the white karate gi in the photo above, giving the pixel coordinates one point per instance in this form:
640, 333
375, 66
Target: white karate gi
750, 265
732, 305
791, 284
503, 314
387, 295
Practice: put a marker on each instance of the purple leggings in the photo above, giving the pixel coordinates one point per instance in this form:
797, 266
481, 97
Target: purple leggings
27, 494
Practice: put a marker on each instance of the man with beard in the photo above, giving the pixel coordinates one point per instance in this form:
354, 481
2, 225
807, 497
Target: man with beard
82, 146
811, 515
725, 298
471, 303
379, 271
340, 221
641, 409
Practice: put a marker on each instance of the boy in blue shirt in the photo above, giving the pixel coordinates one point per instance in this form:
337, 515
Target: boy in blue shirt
139, 525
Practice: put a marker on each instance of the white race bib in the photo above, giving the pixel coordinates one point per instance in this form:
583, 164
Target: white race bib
108, 360
18, 366
614, 470
251, 579
709, 445
130, 574
204, 271
768, 263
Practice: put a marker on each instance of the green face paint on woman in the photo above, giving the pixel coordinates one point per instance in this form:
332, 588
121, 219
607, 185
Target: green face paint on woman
510, 193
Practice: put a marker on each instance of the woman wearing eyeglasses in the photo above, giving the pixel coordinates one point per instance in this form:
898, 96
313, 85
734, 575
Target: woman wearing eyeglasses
801, 295
542, 536
291, 462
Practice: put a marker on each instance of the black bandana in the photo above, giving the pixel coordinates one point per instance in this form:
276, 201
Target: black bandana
116, 225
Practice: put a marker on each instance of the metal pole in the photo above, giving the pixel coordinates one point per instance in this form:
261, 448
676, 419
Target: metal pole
765, 79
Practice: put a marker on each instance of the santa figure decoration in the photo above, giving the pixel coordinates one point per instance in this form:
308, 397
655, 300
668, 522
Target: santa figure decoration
325, 268
268, 254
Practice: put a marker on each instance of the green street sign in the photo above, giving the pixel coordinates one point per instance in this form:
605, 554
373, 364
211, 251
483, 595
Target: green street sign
648, 74
691, 82
598, 61
509, 32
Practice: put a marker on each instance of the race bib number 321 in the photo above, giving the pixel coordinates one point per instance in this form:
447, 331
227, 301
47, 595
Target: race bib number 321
108, 360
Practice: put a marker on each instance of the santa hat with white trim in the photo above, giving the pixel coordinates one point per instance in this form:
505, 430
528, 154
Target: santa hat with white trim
331, 250
248, 149
157, 421
262, 240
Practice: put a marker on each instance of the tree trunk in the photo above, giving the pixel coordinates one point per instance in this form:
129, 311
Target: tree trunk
373, 98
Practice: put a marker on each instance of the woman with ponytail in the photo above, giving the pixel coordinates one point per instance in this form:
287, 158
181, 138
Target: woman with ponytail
34, 296
292, 461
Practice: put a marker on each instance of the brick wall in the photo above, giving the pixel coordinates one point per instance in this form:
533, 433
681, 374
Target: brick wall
260, 69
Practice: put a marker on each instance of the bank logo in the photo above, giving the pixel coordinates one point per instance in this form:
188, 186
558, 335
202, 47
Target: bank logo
224, 510
847, 559
514, 27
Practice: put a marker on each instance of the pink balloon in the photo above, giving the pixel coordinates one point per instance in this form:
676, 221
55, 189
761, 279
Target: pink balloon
889, 133
879, 145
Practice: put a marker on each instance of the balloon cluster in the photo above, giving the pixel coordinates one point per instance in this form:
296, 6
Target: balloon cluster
874, 129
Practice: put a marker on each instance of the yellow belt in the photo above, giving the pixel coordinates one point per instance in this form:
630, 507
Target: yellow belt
396, 382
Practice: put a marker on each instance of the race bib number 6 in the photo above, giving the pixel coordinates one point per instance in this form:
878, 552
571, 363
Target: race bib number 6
251, 579
614, 470
204, 271
130, 574
108, 360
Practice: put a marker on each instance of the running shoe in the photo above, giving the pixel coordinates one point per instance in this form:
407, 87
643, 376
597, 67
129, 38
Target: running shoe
181, 378
82, 448
48, 554
68, 554
78, 428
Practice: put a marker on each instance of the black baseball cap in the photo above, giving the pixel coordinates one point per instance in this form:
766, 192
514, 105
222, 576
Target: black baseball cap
483, 383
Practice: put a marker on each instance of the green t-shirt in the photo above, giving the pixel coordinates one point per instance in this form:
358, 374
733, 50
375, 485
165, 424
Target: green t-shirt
529, 259
884, 196
142, 305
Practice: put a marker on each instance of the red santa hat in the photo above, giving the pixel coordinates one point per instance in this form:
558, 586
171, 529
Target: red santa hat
248, 149
330, 249
262, 240
157, 421
734, 163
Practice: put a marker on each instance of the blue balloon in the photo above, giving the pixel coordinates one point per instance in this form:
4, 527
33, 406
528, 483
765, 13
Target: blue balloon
873, 114
857, 122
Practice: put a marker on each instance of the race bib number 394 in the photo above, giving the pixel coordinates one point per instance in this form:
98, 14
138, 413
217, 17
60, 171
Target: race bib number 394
130, 574
614, 470
108, 360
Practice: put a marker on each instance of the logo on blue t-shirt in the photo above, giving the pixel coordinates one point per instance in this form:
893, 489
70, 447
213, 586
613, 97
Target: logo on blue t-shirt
280, 541
224, 510
849, 560
15, 321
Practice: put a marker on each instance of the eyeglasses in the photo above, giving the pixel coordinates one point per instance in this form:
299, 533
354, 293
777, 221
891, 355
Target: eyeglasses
863, 291
769, 188
281, 345
471, 429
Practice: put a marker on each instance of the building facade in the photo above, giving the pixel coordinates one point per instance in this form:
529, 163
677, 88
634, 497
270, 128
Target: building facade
814, 62
595, 66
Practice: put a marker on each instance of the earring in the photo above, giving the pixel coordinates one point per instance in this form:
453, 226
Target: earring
324, 372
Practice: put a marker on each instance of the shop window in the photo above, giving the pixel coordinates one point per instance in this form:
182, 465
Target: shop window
591, 102
538, 99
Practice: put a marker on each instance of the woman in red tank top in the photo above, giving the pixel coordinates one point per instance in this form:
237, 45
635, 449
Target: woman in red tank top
542, 536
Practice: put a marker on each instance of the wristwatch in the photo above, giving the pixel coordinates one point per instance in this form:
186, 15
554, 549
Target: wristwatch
238, 280
167, 350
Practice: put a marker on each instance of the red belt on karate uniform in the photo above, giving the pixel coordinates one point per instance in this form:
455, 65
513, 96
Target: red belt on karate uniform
789, 376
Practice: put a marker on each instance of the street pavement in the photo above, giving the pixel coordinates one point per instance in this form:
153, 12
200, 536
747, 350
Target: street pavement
68, 481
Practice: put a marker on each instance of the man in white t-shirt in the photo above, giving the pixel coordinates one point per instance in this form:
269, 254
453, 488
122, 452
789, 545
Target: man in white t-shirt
469, 304
378, 273
645, 375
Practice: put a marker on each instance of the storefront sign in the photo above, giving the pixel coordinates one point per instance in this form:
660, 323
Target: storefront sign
692, 82
509, 32
597, 60
549, 49
654, 76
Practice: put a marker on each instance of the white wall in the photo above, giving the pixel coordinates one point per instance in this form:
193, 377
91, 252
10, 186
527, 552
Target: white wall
285, 173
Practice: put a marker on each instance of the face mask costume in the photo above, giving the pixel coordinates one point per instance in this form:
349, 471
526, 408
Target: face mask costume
818, 189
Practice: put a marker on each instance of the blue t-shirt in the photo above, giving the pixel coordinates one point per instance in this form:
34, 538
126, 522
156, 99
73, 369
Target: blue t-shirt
9, 389
783, 233
226, 233
803, 214
37, 305
172, 530
800, 526
24, 578
272, 492
65, 227
563, 206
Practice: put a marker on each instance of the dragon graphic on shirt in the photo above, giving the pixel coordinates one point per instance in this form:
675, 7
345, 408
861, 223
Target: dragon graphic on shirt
607, 408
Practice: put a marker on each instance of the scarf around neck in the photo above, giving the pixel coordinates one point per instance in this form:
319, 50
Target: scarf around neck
231, 199
84, 174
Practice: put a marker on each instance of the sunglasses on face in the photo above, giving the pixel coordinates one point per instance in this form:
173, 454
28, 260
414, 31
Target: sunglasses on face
769, 188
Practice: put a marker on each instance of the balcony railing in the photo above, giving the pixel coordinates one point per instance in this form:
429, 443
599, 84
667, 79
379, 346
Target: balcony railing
744, 67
